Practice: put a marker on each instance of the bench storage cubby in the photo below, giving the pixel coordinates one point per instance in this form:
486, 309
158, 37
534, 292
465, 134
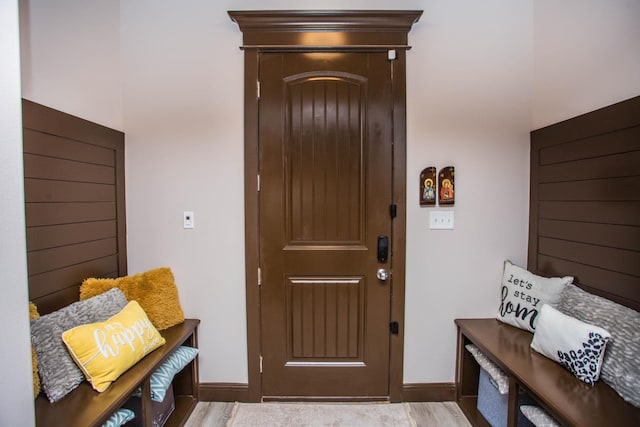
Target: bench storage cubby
84, 407
570, 401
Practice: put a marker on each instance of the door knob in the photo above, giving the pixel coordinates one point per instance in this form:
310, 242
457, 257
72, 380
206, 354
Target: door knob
383, 274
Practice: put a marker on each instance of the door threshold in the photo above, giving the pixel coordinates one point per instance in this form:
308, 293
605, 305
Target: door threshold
327, 399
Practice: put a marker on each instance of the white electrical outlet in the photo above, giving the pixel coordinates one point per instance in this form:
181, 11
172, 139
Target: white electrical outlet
187, 219
441, 220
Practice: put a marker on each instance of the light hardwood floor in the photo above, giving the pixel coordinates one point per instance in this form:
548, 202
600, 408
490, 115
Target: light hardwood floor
428, 414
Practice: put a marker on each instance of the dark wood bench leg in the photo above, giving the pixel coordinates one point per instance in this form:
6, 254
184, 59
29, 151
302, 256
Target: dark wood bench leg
512, 405
147, 410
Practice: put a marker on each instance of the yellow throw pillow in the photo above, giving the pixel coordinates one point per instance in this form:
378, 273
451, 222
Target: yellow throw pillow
33, 314
105, 350
155, 291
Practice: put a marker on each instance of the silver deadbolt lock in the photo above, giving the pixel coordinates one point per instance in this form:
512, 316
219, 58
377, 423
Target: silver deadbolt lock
383, 274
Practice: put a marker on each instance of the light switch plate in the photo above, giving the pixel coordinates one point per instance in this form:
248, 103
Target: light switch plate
441, 220
187, 219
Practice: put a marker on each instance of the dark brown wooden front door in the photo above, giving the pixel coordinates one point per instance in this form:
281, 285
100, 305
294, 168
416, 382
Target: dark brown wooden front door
325, 160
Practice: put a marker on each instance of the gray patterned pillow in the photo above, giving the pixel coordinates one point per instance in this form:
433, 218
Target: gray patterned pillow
538, 416
58, 372
496, 374
620, 368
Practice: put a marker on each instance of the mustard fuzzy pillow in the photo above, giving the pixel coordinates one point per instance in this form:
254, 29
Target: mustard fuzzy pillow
155, 290
33, 314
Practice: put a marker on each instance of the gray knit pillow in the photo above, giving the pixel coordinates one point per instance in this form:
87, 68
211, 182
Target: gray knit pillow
59, 374
620, 368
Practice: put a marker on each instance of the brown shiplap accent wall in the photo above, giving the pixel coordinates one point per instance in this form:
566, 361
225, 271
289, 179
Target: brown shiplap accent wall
585, 201
74, 204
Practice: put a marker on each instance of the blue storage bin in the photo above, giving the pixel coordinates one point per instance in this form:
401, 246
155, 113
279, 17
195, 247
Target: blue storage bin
493, 405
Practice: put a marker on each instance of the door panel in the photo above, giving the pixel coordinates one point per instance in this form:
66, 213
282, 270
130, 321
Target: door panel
325, 318
325, 155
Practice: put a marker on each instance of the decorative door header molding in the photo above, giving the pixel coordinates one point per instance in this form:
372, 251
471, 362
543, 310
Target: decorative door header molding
325, 29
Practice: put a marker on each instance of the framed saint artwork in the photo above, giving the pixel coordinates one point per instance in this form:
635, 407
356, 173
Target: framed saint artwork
446, 184
428, 190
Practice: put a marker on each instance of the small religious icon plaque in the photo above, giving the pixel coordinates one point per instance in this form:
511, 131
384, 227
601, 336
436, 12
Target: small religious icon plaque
446, 181
428, 186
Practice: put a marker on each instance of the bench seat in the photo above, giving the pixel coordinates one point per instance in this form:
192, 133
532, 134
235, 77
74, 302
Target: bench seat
570, 401
85, 407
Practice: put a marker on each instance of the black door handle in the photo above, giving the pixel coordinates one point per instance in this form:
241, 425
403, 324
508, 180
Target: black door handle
383, 248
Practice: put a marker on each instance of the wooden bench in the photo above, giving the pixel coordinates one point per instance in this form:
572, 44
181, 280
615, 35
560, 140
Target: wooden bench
85, 407
570, 401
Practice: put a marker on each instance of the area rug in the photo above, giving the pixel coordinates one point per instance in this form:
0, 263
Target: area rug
321, 414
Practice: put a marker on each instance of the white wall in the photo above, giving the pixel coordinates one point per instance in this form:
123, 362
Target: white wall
16, 386
183, 117
70, 53
469, 104
586, 56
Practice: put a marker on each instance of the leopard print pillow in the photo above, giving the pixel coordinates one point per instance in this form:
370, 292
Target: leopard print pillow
576, 345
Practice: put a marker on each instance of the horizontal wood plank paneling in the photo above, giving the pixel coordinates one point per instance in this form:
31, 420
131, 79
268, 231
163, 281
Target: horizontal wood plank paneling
611, 235
608, 189
47, 120
74, 203
614, 118
71, 276
39, 214
610, 284
53, 301
44, 144
622, 213
585, 201
46, 191
619, 141
50, 259
614, 259
42, 167
68, 234
616, 165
